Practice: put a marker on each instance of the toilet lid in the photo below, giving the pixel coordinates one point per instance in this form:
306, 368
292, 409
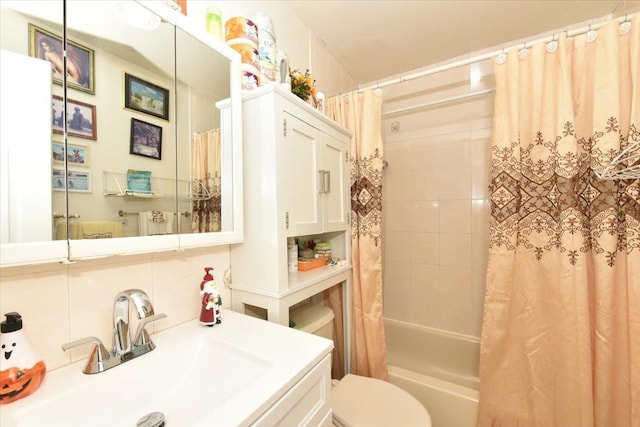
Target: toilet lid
360, 401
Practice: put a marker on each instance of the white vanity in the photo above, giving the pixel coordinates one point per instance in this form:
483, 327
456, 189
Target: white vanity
243, 372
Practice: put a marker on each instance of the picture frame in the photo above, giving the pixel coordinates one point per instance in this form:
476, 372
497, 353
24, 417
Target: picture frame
146, 139
145, 97
81, 118
80, 59
78, 180
77, 155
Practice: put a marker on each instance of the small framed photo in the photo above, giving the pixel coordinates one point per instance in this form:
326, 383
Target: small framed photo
77, 180
77, 155
81, 118
80, 59
146, 139
145, 97
58, 179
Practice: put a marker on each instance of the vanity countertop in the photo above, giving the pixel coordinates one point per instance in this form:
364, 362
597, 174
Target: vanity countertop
226, 375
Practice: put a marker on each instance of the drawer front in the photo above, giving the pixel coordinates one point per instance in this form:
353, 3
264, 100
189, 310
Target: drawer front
307, 403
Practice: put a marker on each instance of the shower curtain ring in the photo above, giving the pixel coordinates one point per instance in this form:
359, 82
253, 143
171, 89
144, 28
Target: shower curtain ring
501, 58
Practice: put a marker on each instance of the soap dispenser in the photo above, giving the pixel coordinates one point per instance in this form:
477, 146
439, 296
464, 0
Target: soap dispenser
21, 368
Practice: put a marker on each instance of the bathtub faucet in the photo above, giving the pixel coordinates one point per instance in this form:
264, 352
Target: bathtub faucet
100, 359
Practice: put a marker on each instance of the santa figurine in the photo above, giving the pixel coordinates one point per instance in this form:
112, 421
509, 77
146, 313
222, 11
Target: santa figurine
210, 314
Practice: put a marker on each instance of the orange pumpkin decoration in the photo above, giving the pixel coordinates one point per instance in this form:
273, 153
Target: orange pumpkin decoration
18, 383
21, 368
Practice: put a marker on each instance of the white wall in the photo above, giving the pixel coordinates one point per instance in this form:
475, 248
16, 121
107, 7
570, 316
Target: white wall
303, 49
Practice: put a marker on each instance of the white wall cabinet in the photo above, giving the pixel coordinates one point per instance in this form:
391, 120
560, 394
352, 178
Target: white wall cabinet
296, 184
317, 166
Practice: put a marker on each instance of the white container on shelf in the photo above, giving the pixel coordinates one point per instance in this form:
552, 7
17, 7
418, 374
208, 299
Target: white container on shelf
292, 254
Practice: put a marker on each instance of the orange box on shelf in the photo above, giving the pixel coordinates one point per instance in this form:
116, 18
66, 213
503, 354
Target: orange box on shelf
311, 263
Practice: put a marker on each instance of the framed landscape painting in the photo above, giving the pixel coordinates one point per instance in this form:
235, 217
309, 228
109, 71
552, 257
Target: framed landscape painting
146, 139
146, 97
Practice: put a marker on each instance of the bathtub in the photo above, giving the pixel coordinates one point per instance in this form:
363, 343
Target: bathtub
437, 367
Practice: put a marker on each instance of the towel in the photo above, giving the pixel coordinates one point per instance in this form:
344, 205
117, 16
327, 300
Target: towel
157, 216
101, 229
90, 230
153, 223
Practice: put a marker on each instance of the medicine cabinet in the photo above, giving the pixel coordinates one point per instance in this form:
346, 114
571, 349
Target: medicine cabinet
137, 93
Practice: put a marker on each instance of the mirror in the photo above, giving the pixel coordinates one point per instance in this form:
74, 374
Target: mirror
132, 130
212, 163
123, 118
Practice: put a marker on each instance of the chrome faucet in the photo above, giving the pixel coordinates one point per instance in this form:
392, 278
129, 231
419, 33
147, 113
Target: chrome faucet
144, 308
100, 359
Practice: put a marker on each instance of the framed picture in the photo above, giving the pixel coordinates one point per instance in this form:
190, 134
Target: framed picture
140, 95
81, 118
58, 179
77, 155
77, 180
80, 65
146, 139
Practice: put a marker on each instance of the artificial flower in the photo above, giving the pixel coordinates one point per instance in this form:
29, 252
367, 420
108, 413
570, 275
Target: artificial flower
302, 85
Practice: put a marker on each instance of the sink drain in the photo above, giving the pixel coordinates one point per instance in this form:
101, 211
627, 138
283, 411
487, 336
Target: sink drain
154, 419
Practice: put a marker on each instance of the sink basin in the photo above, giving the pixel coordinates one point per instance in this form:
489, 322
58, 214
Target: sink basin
225, 375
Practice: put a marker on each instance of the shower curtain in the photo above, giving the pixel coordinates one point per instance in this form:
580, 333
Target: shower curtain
206, 169
560, 341
362, 115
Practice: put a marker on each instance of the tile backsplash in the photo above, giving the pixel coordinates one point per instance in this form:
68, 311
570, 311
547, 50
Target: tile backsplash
60, 303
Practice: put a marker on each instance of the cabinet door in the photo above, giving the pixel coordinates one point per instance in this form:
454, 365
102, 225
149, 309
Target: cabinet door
303, 170
335, 187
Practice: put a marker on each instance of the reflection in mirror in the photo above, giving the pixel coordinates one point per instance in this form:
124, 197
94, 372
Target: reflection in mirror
203, 79
29, 213
121, 122
116, 159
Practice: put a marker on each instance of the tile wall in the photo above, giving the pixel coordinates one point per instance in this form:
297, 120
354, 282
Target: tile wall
64, 302
435, 206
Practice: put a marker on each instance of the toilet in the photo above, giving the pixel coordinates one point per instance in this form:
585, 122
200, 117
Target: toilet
357, 400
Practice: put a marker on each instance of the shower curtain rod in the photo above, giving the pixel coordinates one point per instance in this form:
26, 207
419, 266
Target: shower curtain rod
480, 58
438, 102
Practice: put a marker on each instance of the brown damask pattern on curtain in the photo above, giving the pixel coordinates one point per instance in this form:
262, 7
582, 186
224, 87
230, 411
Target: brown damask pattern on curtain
560, 342
542, 197
206, 167
361, 113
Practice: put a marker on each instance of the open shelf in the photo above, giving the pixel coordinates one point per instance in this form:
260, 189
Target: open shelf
115, 185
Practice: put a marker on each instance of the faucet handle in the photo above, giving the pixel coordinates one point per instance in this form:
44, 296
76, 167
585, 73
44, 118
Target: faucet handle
98, 356
142, 336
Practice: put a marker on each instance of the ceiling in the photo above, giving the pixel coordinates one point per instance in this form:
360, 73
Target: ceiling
374, 40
